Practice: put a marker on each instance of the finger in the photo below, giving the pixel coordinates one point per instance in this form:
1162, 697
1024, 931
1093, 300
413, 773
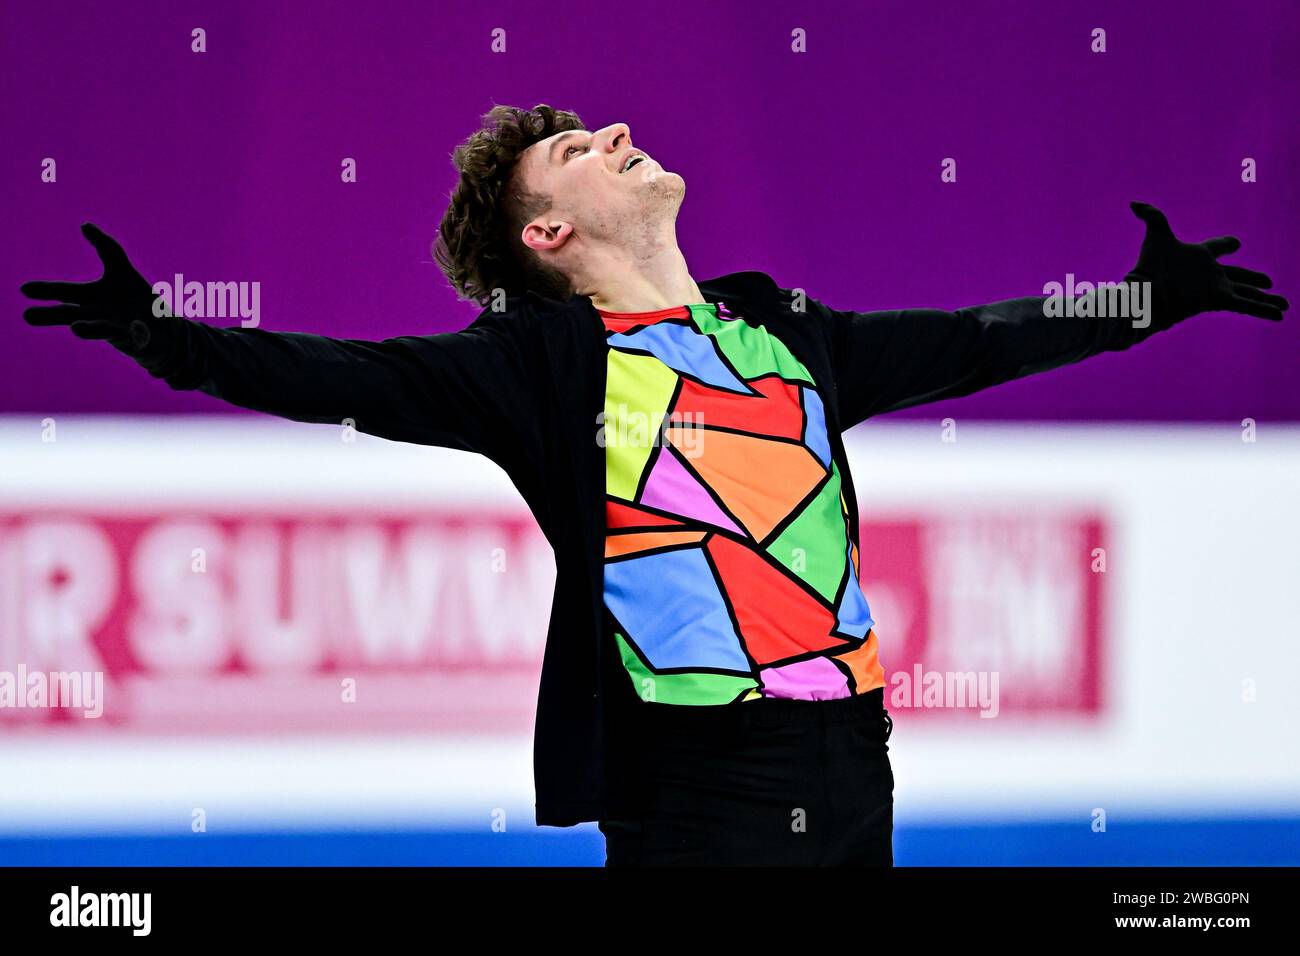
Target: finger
1222, 245
54, 314
1249, 276
1250, 292
95, 329
110, 252
1153, 217
77, 292
1260, 310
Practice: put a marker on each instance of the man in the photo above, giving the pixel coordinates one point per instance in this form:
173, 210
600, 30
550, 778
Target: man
711, 690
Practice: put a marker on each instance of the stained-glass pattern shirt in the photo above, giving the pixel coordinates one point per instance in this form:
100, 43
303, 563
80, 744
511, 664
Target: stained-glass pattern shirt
729, 570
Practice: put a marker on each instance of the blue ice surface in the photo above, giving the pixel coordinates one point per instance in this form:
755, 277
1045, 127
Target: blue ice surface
1211, 841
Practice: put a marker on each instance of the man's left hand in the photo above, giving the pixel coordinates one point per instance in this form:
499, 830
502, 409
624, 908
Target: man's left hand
1189, 278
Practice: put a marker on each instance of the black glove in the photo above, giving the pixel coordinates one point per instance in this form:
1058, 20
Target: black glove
1187, 279
117, 307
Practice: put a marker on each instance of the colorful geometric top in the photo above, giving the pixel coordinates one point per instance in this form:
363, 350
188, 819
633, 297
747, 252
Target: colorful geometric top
729, 573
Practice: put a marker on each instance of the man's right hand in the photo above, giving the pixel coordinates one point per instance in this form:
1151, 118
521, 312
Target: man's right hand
117, 307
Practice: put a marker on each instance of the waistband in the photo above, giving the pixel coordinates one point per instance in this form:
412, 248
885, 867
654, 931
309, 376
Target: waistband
764, 712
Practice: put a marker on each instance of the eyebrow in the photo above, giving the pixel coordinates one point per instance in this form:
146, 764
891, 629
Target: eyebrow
563, 136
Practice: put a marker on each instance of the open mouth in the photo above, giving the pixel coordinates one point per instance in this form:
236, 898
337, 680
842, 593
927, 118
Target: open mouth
631, 161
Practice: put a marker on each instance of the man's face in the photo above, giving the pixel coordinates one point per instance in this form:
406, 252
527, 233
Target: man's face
602, 188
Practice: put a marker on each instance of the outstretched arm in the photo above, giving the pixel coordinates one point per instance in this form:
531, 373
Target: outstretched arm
454, 389
888, 360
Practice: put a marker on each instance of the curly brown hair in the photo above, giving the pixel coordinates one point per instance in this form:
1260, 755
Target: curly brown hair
478, 246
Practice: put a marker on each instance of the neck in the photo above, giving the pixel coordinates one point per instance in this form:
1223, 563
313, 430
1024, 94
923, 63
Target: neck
644, 279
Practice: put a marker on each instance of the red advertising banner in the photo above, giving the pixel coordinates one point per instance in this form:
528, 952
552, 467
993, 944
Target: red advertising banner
341, 621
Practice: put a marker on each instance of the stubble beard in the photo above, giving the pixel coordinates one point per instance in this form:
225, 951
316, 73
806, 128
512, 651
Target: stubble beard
661, 199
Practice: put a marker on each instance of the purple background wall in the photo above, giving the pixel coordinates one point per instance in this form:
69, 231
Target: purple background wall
820, 168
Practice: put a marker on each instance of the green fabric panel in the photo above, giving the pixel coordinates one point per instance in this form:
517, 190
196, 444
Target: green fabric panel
819, 531
751, 351
697, 689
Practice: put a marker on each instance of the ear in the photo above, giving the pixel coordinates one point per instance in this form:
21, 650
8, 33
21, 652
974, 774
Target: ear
543, 234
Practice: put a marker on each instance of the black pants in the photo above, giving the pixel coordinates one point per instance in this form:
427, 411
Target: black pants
765, 782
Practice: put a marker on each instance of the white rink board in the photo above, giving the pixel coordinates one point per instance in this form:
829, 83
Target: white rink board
1203, 595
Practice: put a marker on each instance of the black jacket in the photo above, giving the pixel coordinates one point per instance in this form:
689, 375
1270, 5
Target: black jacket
525, 387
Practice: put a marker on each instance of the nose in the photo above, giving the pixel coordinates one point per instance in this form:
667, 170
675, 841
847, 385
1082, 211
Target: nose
619, 137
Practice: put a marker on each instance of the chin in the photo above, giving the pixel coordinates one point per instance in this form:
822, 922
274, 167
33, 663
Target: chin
668, 185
